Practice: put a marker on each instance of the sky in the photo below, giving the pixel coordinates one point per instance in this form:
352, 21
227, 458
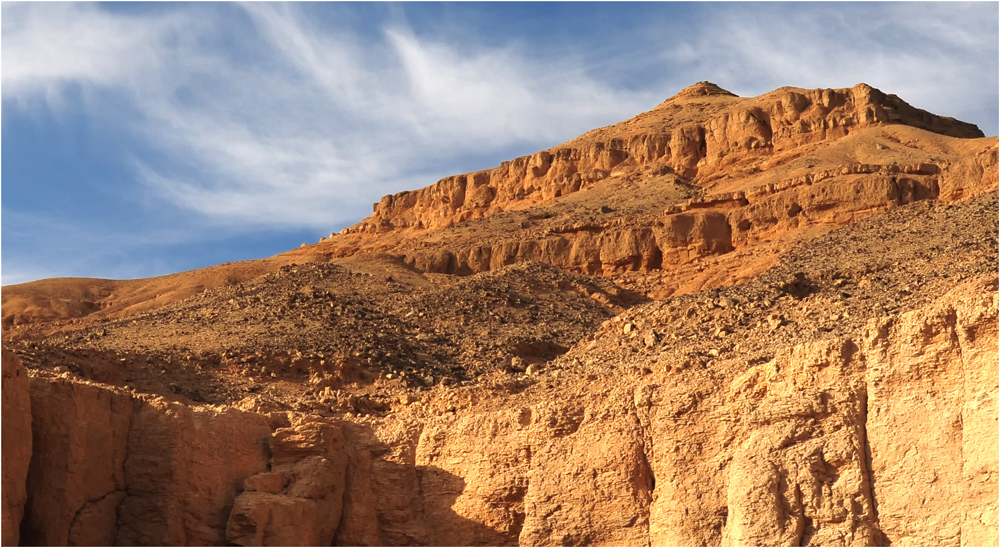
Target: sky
141, 139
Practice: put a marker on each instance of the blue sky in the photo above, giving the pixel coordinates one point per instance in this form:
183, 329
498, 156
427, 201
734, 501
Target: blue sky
149, 138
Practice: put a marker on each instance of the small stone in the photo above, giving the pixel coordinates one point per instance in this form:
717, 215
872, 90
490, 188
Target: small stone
714, 352
629, 327
775, 321
650, 339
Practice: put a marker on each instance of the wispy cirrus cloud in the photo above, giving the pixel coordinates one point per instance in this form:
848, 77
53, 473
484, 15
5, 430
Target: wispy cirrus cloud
313, 124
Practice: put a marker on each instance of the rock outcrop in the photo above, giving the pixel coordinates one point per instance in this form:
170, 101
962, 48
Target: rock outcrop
299, 501
725, 129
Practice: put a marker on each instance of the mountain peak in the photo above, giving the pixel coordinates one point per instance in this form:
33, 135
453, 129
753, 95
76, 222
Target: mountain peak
702, 89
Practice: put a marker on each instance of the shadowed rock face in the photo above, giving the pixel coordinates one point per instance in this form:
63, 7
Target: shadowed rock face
16, 445
727, 321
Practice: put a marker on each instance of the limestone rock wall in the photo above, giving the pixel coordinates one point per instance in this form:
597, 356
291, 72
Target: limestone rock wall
932, 421
76, 480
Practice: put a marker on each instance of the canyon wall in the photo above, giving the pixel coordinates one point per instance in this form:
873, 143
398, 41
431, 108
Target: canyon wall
889, 436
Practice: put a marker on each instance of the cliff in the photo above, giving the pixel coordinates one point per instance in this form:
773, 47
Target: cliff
698, 133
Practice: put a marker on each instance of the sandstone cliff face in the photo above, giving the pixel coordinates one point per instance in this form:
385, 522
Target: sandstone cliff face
886, 437
108, 467
728, 129
16, 445
726, 174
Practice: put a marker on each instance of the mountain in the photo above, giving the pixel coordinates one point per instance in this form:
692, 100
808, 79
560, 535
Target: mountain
742, 321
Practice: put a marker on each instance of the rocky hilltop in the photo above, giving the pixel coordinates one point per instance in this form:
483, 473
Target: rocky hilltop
726, 321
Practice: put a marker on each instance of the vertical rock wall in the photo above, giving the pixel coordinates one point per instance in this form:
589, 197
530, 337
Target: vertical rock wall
16, 445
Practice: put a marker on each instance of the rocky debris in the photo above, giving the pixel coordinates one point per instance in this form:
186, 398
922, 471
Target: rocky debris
320, 330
